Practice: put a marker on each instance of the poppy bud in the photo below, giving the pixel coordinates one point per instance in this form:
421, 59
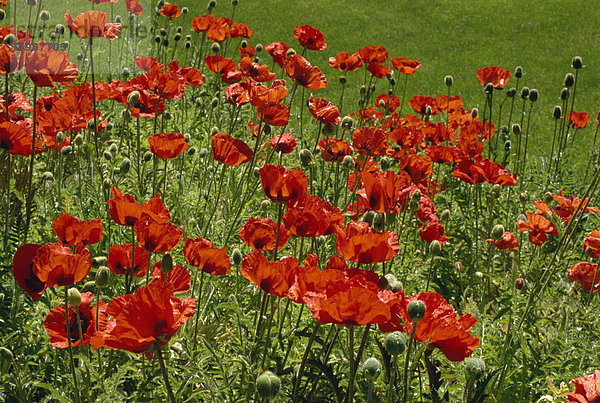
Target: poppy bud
384, 282
396, 286
267, 385
203, 153
290, 51
265, 205
478, 274
519, 72
548, 197
234, 2
516, 129
511, 92
236, 257
348, 162
2, 15
564, 94
99, 261
160, 3
256, 59
369, 217
125, 72
157, 39
395, 343
74, 297
569, 80
497, 232
474, 113
256, 169
118, 19
521, 217
165, 42
416, 310
416, 196
448, 80
166, 265
378, 220
577, 62
116, 171
133, 98
342, 80
191, 151
162, 32
507, 145
113, 148
31, 2
259, 47
10, 39
445, 215
177, 37
306, 157
519, 284
107, 183
45, 15
211, 5
102, 276
428, 110
489, 88
215, 48
524, 92
185, 10
385, 163
495, 191
59, 29
557, 112
328, 129
267, 129
524, 197
372, 369
475, 367
435, 248
66, 150
347, 123
187, 44
88, 286
533, 95
47, 176
147, 156
362, 90
125, 166
6, 354
458, 266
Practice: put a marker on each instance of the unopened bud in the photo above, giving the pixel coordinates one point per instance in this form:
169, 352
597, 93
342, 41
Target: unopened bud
511, 92
306, 157
475, 368
166, 265
577, 62
524, 92
569, 80
125, 166
474, 113
47, 176
102, 276
99, 261
497, 232
519, 72
489, 88
6, 354
533, 95
524, 197
74, 297
564, 94
516, 129
66, 150
448, 80
236, 257
458, 266
557, 112
133, 98
495, 191
395, 343
267, 385
445, 215
265, 205
348, 162
147, 157
416, 310
372, 369
44, 15
435, 248
215, 48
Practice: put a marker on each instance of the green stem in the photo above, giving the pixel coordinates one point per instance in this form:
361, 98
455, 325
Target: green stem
406, 362
163, 369
72, 361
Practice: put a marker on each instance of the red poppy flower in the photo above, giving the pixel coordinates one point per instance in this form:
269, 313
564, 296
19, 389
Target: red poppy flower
579, 120
255, 71
167, 84
388, 102
139, 321
178, 278
22, 268
237, 94
433, 231
240, 30
378, 70
283, 185
276, 115
587, 389
220, 65
313, 217
92, 24
8, 59
583, 273
495, 75
370, 54
56, 265
439, 327
261, 233
568, 205
381, 190
16, 139
441, 154
538, 227
418, 167
56, 326
274, 278
360, 243
170, 11
278, 51
219, 29
201, 24
261, 95
124, 210
324, 111
70, 231
202, 254
508, 241
333, 149
310, 37
371, 141
167, 145
483, 171
405, 66
591, 244
134, 7
156, 237
300, 70
343, 61
46, 66
248, 51
119, 260
419, 103
229, 150
283, 143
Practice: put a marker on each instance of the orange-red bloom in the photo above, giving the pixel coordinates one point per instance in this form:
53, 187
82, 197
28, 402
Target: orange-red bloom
8, 59
156, 237
202, 254
56, 265
381, 190
495, 75
167, 145
310, 37
587, 389
229, 150
46, 66
378, 70
578, 120
139, 321
92, 24
300, 70
124, 210
283, 185
22, 268
538, 227
70, 231
276, 115
255, 71
240, 30
119, 260
324, 111
370, 54
278, 51
274, 278
344, 61
16, 139
419, 103
134, 7
283, 143
360, 243
568, 205
508, 241
371, 141
584, 274
56, 325
591, 244
313, 217
261, 233
333, 149
178, 277
405, 66
170, 11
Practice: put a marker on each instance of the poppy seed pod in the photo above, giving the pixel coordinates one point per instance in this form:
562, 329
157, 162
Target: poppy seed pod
564, 94
372, 369
448, 80
47, 176
516, 129
557, 112
395, 343
518, 72
306, 157
416, 310
495, 191
435, 248
489, 88
259, 47
497, 232
267, 385
524, 92
147, 156
59, 29
475, 367
533, 95
177, 37
74, 297
102, 276
236, 257
10, 39
166, 265
125, 166
511, 92
569, 80
342, 80
577, 62
44, 15
211, 4
445, 215
474, 113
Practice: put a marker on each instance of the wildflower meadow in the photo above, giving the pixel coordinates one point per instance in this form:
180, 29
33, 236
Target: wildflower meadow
191, 215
